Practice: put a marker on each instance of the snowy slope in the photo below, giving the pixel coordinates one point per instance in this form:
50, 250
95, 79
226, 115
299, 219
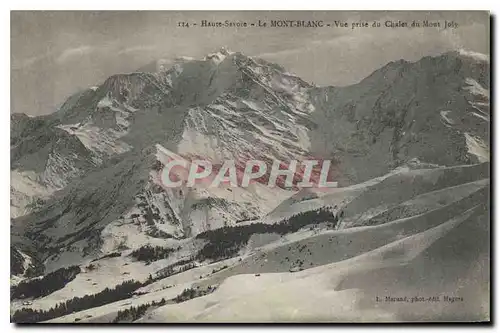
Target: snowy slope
344, 259
344, 289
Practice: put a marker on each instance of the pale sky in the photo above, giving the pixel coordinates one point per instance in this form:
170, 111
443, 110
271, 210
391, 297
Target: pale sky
55, 54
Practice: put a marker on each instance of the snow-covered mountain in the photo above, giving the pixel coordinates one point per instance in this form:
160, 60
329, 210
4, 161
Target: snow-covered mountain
86, 184
436, 110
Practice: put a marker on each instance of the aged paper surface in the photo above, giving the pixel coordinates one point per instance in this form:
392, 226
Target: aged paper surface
256, 167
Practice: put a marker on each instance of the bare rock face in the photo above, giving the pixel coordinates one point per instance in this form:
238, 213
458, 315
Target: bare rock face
436, 110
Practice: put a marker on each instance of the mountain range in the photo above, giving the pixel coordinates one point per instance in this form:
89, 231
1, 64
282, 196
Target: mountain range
410, 145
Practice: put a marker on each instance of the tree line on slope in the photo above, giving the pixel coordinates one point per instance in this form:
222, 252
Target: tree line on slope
122, 291
175, 268
46, 285
148, 253
108, 295
226, 242
135, 312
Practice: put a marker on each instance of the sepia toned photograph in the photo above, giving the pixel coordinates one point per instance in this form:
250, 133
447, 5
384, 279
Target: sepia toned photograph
250, 167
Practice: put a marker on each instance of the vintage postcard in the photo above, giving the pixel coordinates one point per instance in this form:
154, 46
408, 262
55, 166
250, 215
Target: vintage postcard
250, 167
